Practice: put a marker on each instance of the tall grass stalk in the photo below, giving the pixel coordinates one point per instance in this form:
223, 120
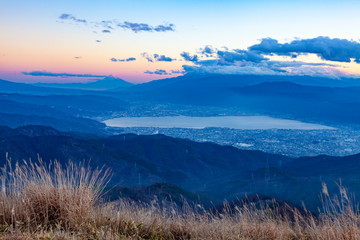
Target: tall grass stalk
46, 195
51, 201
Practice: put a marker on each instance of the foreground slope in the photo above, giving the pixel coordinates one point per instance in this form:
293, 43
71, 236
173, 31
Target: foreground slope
216, 171
141, 160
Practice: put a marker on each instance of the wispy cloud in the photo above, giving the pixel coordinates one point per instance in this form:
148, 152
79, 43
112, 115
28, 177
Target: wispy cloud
164, 28
158, 72
144, 27
123, 60
108, 25
164, 72
177, 72
66, 16
157, 57
64, 75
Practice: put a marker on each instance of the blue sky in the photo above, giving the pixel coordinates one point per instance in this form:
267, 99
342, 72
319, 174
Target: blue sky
36, 39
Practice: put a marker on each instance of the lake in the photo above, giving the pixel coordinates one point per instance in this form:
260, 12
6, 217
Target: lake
235, 122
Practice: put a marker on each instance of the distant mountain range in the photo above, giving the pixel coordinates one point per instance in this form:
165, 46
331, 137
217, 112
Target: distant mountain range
277, 96
213, 171
64, 109
334, 102
230, 81
107, 83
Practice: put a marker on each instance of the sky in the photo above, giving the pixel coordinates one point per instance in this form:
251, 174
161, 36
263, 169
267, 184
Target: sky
143, 40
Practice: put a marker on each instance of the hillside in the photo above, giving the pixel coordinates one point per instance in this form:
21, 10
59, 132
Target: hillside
215, 171
14, 114
78, 105
156, 158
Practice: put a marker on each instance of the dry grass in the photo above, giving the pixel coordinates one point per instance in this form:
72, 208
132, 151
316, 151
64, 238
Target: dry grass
40, 201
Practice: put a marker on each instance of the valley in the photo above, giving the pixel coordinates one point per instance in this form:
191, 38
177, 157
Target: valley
295, 143
168, 131
210, 171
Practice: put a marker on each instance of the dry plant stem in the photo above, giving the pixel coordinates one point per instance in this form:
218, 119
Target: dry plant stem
50, 201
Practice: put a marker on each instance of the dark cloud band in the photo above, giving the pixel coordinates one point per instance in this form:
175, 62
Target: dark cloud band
340, 50
255, 60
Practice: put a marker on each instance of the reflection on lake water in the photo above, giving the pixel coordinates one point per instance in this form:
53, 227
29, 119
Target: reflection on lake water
236, 122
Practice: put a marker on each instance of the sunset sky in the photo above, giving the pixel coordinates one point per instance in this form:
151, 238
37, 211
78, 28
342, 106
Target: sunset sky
142, 40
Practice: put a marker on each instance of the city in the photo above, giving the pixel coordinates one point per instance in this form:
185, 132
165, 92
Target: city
294, 143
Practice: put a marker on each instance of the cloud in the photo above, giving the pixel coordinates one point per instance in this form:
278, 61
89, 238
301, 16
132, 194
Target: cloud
266, 68
177, 71
164, 72
316, 71
163, 58
136, 27
108, 25
144, 27
250, 62
147, 57
98, 41
64, 75
256, 59
280, 64
240, 55
66, 16
164, 28
189, 58
128, 59
157, 57
208, 51
336, 49
225, 57
123, 60
158, 72
231, 69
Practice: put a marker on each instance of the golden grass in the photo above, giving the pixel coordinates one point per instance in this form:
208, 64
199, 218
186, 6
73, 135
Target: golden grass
40, 201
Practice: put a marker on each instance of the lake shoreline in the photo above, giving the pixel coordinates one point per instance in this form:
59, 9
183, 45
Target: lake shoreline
234, 122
